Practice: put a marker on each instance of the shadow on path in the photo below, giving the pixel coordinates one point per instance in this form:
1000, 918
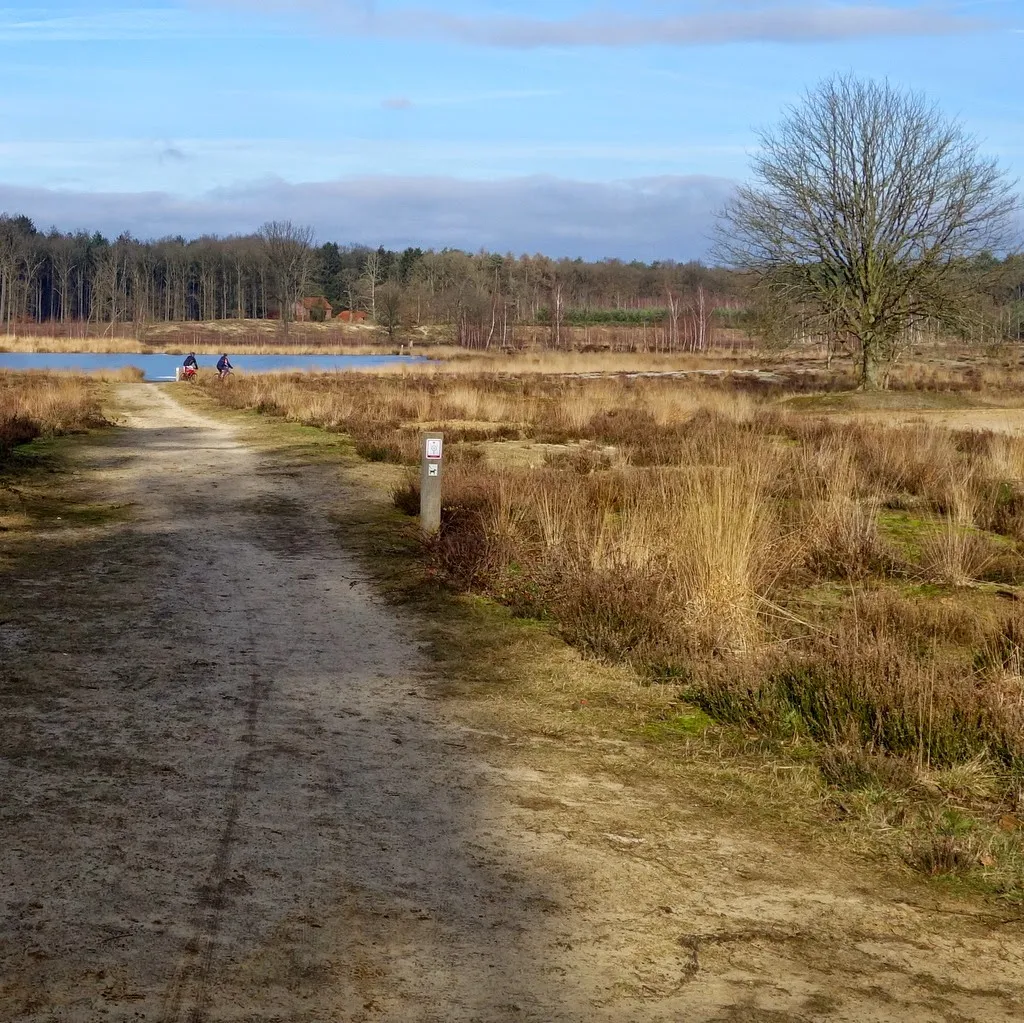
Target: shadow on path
227, 795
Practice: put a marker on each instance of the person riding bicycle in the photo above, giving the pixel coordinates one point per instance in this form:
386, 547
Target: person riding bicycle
190, 361
224, 366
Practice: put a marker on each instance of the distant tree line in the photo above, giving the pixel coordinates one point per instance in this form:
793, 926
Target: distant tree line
484, 298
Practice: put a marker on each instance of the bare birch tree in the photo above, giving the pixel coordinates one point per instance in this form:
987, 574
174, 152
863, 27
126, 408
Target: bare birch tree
372, 277
64, 253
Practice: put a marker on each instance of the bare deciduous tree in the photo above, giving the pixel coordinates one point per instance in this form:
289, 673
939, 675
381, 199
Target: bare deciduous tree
372, 276
865, 207
289, 251
65, 255
389, 308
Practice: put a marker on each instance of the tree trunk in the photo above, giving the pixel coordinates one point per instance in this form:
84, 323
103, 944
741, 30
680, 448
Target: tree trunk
870, 369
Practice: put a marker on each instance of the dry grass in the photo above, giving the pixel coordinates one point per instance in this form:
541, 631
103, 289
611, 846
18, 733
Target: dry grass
592, 364
45, 404
847, 588
213, 343
32, 344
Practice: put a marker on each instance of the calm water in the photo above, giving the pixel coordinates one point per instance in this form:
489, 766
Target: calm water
161, 367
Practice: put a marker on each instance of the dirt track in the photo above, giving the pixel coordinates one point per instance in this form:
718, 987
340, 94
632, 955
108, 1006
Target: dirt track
231, 794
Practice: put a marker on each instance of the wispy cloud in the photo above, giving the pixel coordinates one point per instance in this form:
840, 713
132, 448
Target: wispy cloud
19, 26
795, 21
644, 218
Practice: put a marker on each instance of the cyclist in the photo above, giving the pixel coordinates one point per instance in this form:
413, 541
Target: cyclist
224, 366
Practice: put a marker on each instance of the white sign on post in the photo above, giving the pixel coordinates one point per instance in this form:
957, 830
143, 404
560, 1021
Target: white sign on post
430, 483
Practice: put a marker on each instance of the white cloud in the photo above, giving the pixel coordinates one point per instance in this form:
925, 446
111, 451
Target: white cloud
643, 218
795, 21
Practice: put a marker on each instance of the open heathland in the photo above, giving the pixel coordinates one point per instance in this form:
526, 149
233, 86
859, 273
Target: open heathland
844, 590
240, 784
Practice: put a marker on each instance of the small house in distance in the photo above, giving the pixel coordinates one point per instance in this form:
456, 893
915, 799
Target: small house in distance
351, 316
315, 308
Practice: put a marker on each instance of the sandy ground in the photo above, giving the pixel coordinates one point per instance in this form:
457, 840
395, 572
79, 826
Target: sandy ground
996, 420
232, 791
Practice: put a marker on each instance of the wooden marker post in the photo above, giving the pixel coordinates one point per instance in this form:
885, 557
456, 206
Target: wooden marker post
430, 482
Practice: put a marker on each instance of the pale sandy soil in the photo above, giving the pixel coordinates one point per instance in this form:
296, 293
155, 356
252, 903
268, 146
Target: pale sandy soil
232, 790
998, 420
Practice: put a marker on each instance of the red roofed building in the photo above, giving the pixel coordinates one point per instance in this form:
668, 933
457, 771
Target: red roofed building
314, 308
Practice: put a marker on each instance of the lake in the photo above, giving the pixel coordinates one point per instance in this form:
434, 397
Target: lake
162, 367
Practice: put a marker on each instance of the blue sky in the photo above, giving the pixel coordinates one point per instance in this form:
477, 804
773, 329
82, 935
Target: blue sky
564, 126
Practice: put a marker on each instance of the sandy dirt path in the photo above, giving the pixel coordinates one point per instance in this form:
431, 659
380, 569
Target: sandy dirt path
232, 792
